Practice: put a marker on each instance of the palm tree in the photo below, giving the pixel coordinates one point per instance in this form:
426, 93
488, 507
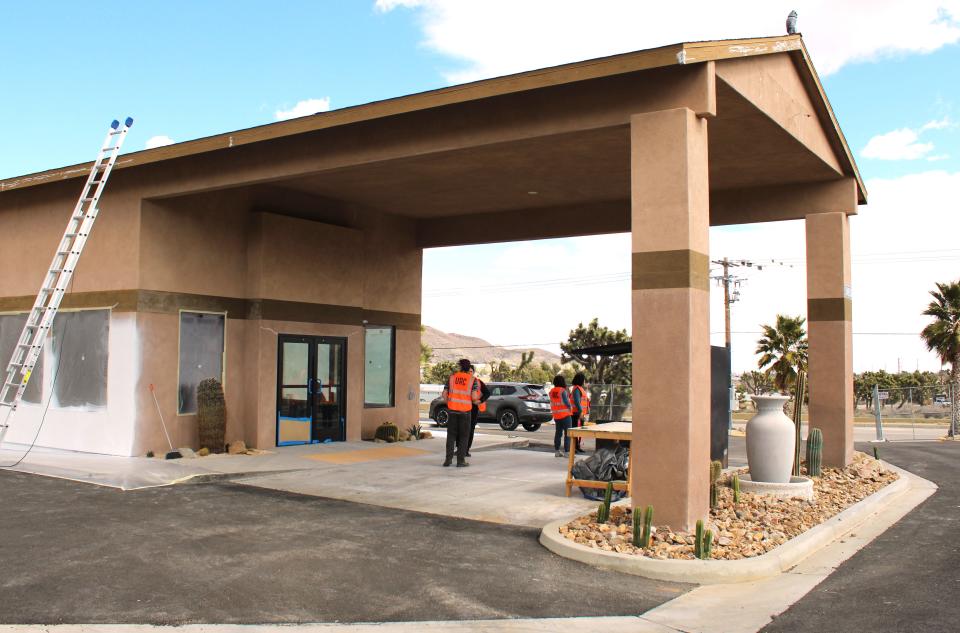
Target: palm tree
784, 350
943, 337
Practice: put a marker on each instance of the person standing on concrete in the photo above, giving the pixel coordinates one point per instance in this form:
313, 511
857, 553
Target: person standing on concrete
478, 408
562, 414
461, 392
580, 400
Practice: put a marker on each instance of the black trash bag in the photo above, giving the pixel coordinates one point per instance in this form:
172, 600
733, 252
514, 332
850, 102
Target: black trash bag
604, 465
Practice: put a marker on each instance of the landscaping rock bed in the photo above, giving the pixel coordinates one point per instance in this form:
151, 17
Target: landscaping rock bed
752, 527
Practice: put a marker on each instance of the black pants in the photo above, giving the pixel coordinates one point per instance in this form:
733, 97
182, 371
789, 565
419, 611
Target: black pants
576, 422
458, 434
561, 432
474, 414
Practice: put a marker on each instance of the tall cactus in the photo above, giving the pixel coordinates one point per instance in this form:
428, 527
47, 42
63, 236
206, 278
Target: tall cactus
814, 453
647, 526
603, 512
211, 415
642, 527
797, 411
736, 488
715, 469
698, 540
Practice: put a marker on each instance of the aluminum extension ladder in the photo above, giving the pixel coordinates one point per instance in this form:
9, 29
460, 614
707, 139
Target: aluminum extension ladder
58, 277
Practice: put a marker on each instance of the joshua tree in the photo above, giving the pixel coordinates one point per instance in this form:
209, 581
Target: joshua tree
943, 337
784, 350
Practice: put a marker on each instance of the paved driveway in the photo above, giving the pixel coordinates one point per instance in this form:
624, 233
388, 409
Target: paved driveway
223, 552
906, 580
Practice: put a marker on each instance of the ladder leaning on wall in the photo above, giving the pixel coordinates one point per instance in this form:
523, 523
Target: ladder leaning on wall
57, 280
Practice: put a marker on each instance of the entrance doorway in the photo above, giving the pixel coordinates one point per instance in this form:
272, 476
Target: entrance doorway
311, 389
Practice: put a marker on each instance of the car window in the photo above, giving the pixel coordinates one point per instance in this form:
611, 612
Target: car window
535, 391
507, 391
494, 391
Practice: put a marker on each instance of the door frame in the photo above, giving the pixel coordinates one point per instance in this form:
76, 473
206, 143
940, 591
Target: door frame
312, 340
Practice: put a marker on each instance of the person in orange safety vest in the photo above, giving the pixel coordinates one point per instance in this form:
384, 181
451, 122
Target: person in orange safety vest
562, 412
461, 393
478, 408
580, 400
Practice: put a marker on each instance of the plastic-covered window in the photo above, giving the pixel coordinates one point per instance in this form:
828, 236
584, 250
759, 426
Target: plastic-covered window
11, 325
79, 349
201, 355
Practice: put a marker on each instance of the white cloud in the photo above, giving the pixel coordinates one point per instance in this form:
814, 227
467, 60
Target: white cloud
158, 141
902, 243
938, 157
304, 108
498, 37
939, 124
902, 144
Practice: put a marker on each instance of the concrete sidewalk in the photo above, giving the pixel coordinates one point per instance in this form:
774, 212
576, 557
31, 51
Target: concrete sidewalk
523, 488
132, 473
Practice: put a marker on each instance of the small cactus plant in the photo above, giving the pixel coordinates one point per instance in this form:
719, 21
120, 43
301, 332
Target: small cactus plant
736, 488
388, 432
642, 529
814, 453
702, 542
876, 454
706, 551
211, 415
603, 513
715, 468
415, 431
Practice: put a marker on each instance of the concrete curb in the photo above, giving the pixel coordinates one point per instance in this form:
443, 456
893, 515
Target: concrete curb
709, 572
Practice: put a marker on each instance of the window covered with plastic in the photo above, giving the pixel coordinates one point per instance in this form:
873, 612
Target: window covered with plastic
201, 354
11, 325
79, 350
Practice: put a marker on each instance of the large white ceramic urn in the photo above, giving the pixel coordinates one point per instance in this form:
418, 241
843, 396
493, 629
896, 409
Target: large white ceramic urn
770, 441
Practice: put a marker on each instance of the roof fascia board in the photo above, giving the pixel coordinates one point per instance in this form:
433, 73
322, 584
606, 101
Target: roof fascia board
826, 111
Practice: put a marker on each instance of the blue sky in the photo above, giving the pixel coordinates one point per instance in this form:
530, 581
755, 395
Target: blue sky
185, 70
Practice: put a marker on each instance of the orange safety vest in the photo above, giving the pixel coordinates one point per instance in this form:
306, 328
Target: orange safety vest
557, 406
462, 390
481, 406
584, 401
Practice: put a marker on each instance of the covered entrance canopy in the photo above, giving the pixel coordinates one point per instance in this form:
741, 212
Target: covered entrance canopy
662, 143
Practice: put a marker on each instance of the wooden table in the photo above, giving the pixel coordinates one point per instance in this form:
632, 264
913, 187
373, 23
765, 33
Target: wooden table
610, 431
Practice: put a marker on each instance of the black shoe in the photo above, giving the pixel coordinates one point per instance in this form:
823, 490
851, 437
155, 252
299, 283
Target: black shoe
447, 463
469, 455
462, 464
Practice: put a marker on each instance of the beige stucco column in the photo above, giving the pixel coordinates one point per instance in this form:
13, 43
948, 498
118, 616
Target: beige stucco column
671, 337
829, 309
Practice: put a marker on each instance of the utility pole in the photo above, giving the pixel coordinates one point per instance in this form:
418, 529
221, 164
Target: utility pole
727, 280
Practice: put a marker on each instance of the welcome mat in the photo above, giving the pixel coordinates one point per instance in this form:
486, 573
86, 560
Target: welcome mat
368, 455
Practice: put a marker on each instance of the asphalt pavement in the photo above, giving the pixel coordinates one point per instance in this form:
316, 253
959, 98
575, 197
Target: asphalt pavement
908, 579
224, 552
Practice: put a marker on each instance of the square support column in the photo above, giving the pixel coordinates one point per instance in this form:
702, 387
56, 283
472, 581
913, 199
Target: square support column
829, 316
671, 316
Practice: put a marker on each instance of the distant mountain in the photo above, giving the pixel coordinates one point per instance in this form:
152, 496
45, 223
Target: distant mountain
447, 346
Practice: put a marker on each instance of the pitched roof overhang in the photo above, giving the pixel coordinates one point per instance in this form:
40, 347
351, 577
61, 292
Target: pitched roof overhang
683, 54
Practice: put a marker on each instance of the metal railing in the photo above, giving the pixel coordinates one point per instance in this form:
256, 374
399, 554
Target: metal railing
611, 403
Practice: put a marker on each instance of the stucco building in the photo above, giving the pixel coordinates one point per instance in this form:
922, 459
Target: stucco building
286, 258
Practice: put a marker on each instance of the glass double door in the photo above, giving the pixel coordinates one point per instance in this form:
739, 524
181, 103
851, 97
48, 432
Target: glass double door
311, 406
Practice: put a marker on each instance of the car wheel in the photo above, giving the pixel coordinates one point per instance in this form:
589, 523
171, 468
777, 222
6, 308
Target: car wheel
508, 419
442, 416
530, 426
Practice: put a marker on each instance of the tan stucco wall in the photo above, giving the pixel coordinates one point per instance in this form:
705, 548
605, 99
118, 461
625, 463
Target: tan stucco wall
219, 245
37, 218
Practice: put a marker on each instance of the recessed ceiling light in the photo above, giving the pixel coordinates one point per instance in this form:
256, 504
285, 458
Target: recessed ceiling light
533, 193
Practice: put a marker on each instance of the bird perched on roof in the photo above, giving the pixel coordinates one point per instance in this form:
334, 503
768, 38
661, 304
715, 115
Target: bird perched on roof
792, 23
